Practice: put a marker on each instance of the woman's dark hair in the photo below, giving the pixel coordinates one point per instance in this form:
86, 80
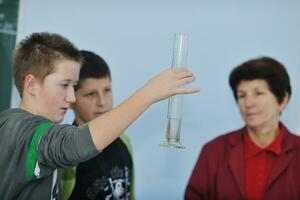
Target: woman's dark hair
264, 68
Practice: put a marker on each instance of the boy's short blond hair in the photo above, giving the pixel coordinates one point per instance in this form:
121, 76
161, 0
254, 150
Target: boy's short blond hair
38, 53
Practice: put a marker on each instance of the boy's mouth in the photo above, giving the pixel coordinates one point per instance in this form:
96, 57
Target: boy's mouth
99, 113
64, 109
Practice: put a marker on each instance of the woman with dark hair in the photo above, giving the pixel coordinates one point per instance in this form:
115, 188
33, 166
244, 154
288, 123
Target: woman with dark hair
259, 161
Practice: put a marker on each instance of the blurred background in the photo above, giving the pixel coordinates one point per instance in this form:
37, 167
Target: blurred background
135, 37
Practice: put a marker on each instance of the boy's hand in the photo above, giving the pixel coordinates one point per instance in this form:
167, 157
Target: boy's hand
169, 83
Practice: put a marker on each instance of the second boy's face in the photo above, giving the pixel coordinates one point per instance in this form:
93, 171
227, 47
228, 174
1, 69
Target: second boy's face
93, 98
56, 94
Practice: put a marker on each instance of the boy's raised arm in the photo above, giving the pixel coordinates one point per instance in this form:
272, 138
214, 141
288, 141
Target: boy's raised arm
110, 125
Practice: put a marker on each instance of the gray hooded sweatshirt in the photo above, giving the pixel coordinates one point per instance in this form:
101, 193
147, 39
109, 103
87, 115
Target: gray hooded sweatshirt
32, 149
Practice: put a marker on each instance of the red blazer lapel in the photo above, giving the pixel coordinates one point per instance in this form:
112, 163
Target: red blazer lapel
283, 159
236, 160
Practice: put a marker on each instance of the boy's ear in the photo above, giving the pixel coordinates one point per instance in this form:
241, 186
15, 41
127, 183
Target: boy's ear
30, 84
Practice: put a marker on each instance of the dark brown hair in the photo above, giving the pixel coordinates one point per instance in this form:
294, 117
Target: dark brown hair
264, 68
38, 53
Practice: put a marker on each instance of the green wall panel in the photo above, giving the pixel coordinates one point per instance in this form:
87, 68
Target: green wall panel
8, 29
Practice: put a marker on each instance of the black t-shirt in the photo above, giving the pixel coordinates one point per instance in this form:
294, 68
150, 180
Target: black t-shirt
106, 176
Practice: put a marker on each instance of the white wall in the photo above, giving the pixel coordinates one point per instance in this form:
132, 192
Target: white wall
135, 37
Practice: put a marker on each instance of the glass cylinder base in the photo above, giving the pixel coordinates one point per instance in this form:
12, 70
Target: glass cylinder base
173, 134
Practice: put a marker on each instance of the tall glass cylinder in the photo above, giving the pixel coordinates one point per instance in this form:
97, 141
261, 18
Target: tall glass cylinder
175, 104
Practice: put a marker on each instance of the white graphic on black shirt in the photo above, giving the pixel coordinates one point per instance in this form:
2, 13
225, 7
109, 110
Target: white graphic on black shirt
115, 187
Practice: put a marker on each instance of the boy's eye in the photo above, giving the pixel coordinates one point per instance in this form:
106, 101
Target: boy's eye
65, 85
107, 89
89, 94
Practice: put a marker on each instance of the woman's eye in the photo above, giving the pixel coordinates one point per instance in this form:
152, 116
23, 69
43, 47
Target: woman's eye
241, 96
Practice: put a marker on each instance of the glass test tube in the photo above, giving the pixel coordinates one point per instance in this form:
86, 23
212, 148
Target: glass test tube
175, 103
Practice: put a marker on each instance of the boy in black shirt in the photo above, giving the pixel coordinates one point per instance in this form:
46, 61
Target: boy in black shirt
109, 175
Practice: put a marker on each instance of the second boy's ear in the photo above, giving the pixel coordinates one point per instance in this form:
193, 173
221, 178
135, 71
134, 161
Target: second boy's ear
30, 84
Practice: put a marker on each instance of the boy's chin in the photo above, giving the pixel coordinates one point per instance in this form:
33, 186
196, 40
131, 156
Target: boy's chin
58, 119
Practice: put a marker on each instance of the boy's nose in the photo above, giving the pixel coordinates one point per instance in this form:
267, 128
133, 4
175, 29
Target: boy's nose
70, 98
101, 100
